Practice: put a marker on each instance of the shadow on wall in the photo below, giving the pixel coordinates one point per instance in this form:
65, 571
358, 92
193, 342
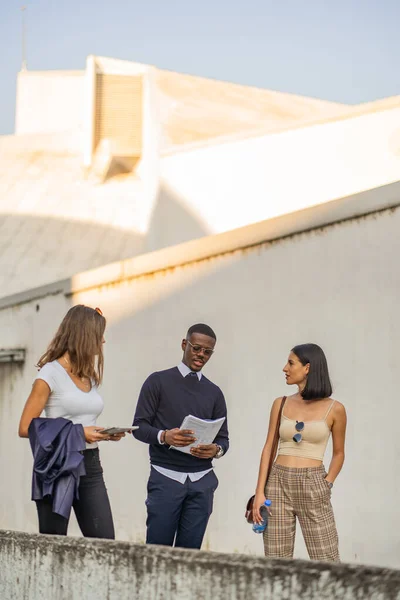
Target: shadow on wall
256, 301
36, 251
248, 298
171, 222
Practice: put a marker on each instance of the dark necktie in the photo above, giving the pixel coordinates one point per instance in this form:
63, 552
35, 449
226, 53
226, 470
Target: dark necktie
192, 374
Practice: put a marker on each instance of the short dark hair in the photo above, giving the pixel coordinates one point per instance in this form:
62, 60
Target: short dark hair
201, 328
318, 384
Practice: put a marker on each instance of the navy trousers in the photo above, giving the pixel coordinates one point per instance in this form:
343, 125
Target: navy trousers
178, 512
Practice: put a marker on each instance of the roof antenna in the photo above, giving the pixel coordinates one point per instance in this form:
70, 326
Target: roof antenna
24, 63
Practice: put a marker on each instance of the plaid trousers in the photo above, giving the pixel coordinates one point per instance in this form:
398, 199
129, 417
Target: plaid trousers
301, 493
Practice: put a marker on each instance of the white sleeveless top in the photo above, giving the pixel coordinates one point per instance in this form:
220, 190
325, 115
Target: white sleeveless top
67, 400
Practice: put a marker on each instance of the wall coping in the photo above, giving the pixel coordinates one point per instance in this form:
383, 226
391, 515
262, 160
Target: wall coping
134, 569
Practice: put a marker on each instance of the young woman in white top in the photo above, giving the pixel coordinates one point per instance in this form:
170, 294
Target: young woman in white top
298, 484
71, 371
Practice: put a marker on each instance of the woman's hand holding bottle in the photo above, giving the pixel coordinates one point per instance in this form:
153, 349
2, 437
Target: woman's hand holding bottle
259, 501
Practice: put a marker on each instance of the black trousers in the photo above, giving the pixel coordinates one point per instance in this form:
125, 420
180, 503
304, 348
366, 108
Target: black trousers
92, 510
177, 514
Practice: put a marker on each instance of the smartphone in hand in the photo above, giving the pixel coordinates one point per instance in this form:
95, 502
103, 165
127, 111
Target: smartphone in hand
116, 430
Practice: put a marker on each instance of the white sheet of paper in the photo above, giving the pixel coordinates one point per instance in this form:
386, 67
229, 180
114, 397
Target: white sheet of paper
205, 432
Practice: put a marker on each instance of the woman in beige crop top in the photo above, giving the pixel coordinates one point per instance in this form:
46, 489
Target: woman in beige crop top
298, 484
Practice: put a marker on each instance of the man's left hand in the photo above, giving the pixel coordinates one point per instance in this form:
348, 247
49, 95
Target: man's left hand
204, 451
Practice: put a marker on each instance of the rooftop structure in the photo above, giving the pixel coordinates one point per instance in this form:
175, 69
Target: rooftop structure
124, 158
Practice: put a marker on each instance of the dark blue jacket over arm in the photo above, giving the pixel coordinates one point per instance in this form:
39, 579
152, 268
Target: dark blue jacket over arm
57, 446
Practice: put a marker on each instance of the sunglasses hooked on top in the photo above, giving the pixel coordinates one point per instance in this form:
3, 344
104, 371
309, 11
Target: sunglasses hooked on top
299, 427
196, 348
99, 311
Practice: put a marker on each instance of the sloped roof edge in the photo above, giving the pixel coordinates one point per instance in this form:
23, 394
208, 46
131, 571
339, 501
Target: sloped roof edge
358, 110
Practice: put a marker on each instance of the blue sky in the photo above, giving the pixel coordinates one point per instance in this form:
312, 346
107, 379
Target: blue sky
346, 50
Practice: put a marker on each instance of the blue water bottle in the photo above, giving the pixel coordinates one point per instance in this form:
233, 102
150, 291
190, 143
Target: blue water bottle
260, 527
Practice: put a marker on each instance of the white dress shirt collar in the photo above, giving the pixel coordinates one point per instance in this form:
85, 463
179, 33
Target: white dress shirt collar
184, 370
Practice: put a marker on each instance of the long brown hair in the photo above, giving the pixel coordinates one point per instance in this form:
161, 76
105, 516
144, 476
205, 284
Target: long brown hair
81, 335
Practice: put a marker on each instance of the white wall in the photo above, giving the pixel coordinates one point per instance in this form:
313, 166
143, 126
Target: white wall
232, 184
337, 287
148, 169
49, 102
21, 326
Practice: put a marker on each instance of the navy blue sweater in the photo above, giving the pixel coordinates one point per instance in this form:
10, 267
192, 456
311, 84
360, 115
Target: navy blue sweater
165, 399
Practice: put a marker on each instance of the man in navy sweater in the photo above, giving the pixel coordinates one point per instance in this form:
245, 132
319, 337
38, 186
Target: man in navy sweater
181, 486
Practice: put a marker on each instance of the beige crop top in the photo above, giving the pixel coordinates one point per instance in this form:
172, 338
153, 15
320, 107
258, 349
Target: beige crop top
315, 436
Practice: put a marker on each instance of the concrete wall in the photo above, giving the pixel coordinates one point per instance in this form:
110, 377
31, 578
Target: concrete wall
242, 181
55, 568
49, 102
337, 286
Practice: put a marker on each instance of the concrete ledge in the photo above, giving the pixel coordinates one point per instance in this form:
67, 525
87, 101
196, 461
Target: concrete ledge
57, 568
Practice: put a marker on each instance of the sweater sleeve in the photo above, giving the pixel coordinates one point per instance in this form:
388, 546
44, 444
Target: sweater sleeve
220, 410
146, 410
